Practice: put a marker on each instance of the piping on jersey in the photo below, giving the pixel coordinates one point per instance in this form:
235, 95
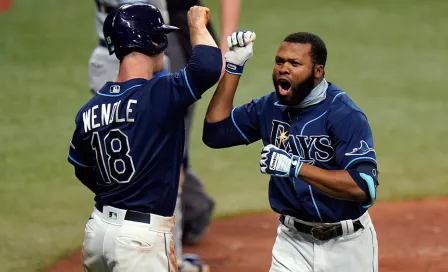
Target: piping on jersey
188, 84
301, 134
239, 130
77, 162
114, 95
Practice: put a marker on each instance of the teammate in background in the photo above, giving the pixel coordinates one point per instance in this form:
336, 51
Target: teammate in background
128, 143
318, 151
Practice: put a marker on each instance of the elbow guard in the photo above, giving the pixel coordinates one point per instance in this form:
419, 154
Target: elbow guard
366, 176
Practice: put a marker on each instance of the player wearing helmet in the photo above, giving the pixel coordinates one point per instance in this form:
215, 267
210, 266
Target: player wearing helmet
128, 143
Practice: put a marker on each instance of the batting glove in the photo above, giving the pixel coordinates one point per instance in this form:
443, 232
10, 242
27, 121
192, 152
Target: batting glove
240, 50
277, 162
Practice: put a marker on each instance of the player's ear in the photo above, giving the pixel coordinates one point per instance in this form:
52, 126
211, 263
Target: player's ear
319, 71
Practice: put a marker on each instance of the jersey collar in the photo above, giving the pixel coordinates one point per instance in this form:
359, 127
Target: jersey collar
317, 95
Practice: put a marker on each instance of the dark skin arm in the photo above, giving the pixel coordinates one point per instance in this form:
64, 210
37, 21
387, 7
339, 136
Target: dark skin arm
221, 103
335, 183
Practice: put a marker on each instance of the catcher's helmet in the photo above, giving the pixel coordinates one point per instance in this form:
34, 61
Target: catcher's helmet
136, 27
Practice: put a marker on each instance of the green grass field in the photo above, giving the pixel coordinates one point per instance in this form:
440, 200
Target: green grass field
389, 56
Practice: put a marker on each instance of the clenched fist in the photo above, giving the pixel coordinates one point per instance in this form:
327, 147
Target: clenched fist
198, 16
240, 51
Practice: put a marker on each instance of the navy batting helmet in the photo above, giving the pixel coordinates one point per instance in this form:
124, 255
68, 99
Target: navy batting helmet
136, 27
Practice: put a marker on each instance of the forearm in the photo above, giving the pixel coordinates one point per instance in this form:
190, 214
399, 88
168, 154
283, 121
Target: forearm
230, 15
199, 35
335, 183
221, 103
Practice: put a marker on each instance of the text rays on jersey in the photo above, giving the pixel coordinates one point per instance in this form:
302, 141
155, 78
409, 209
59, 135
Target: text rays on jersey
310, 148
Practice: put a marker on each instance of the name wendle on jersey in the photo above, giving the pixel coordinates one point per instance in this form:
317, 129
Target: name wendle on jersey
106, 114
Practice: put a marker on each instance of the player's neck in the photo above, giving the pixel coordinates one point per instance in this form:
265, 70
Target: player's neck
135, 65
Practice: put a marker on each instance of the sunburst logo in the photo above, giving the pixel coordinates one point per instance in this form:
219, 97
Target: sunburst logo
282, 137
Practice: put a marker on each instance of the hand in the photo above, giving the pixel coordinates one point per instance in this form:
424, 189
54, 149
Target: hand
198, 16
240, 50
277, 162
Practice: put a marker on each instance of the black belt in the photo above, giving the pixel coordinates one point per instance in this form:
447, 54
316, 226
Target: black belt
130, 215
322, 233
102, 43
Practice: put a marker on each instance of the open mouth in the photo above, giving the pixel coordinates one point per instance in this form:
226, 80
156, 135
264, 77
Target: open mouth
284, 86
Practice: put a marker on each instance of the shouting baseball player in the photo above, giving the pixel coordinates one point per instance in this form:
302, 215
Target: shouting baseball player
318, 149
128, 143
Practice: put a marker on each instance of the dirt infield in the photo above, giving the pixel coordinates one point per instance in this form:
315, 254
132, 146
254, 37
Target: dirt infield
411, 237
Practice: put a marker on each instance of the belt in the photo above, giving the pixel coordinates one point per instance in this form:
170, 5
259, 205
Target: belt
322, 233
131, 215
102, 43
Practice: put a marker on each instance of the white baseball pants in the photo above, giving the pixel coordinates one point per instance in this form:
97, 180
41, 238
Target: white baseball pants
113, 244
299, 252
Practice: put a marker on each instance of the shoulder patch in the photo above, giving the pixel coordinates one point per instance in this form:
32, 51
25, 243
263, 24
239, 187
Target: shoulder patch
362, 150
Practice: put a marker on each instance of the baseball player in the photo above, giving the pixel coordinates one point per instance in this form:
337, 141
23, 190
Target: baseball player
128, 143
318, 150
194, 207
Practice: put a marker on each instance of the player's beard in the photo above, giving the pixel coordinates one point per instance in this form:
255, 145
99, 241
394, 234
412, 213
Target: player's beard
297, 93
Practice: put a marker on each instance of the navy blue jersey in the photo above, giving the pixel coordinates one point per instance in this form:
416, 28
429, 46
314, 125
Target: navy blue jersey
131, 135
333, 134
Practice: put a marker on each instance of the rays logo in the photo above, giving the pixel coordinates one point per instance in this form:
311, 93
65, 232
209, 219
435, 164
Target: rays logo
361, 150
310, 148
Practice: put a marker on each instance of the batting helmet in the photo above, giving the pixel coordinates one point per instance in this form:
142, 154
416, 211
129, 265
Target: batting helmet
136, 27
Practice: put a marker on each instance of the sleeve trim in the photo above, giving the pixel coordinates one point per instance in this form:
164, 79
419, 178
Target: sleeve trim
77, 162
239, 130
372, 190
188, 84
360, 158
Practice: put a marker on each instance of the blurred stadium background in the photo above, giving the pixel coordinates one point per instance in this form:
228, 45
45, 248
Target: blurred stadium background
390, 56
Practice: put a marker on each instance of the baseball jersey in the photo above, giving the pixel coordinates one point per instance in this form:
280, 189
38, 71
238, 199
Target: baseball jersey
333, 134
131, 135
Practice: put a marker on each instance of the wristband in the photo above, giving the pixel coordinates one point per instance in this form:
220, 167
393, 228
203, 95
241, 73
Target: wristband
234, 69
296, 164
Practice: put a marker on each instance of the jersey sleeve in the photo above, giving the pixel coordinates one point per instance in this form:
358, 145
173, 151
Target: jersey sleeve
352, 140
79, 154
246, 120
200, 74
241, 127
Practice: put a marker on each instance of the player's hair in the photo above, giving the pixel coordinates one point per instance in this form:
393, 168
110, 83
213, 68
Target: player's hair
318, 48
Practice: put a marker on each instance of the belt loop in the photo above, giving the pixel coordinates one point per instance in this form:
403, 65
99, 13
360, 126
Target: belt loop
347, 227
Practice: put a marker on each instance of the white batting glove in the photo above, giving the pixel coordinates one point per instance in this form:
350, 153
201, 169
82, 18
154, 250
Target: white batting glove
240, 50
277, 162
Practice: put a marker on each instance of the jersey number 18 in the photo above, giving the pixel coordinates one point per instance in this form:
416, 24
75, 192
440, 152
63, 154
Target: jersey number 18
112, 156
